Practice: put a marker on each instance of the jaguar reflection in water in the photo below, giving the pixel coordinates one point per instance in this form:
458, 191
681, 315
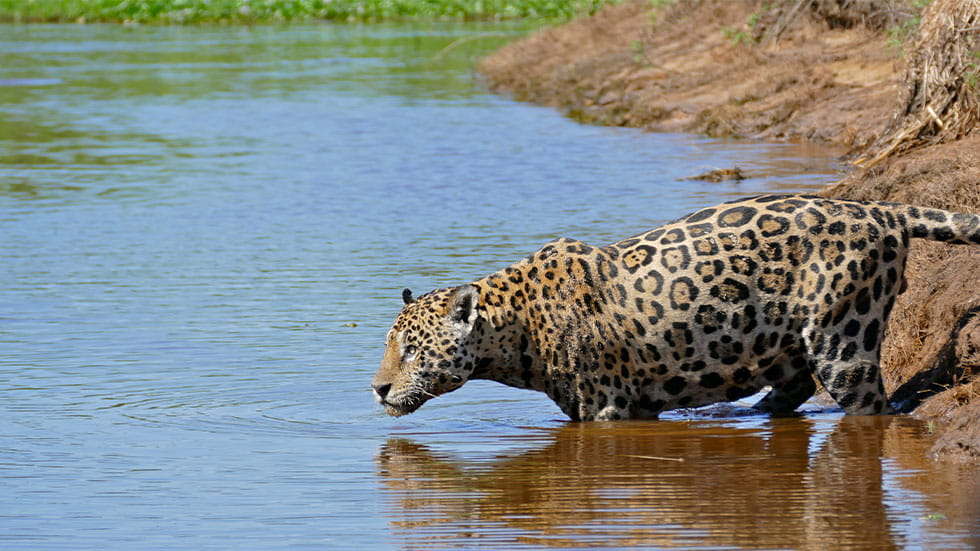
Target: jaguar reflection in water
767, 291
666, 485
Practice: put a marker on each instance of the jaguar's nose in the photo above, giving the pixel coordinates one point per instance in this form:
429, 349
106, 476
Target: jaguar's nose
382, 390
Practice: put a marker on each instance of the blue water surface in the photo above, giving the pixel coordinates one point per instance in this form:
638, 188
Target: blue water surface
204, 233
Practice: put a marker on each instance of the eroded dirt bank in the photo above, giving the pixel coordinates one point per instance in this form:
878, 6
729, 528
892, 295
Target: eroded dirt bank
821, 73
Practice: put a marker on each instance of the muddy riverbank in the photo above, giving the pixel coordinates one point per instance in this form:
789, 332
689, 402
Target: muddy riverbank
819, 73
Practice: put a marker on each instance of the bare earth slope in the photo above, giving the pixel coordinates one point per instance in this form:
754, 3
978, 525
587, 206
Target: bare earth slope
746, 69
682, 73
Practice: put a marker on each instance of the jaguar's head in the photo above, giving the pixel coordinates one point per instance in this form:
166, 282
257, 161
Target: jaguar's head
428, 349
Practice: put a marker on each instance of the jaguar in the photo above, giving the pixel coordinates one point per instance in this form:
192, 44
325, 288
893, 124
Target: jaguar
774, 291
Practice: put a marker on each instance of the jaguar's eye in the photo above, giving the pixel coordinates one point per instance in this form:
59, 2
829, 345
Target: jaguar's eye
410, 350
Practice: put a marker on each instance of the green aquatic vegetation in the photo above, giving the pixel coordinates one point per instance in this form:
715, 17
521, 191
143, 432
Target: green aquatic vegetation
249, 11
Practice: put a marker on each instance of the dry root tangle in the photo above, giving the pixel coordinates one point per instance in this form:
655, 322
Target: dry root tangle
942, 82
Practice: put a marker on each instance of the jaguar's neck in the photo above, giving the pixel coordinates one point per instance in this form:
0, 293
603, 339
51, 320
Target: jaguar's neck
503, 337
517, 337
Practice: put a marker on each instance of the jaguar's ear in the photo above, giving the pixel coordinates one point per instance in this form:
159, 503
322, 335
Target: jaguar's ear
407, 297
462, 305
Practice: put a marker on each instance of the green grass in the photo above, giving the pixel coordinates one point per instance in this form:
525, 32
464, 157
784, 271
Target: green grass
254, 11
898, 34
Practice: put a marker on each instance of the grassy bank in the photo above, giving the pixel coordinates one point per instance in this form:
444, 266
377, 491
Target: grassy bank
255, 11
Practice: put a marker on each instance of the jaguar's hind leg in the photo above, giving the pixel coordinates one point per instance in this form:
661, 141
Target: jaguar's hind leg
856, 386
786, 396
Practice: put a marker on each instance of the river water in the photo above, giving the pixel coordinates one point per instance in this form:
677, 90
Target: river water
204, 233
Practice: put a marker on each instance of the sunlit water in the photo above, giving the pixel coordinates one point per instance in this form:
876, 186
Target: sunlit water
203, 237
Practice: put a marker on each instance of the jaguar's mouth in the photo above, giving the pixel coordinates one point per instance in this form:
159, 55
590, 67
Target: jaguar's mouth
402, 405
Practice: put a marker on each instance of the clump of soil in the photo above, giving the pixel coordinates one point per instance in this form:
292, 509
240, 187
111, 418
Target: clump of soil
719, 175
960, 411
822, 71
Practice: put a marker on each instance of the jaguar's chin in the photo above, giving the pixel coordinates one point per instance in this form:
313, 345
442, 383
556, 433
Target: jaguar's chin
396, 410
403, 405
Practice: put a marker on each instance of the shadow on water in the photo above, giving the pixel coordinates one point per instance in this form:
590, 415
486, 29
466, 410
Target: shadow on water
799, 483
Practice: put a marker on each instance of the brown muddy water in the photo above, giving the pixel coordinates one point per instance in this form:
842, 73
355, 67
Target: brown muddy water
819, 481
204, 233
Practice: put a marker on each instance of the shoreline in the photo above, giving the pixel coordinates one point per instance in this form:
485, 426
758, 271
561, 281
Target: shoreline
748, 69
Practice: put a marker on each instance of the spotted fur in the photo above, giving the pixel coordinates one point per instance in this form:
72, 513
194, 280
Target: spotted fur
768, 291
